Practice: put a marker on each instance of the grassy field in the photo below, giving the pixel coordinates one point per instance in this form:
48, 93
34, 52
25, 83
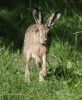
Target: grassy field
64, 67
64, 80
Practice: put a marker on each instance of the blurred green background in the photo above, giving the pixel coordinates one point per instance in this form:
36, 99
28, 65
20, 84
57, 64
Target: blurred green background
16, 17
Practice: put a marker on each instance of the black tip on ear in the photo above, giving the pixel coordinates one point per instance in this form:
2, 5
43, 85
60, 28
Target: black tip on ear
36, 9
56, 15
57, 12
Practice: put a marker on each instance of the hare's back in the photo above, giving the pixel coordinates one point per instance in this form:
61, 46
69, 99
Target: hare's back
30, 35
31, 30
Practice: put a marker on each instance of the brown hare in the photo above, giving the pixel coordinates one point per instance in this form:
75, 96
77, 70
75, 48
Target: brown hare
37, 42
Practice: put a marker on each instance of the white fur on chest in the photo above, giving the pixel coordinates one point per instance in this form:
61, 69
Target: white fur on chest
33, 55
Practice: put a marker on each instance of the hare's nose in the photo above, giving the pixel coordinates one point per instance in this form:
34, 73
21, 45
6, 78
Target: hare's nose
45, 41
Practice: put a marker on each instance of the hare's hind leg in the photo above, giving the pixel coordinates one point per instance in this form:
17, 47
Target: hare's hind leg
43, 71
27, 69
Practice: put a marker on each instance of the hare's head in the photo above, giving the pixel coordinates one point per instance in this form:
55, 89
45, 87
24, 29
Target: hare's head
43, 29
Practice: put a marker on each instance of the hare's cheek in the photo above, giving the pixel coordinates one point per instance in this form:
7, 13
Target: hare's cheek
41, 41
40, 34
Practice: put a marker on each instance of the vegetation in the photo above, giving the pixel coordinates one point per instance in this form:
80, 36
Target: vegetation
64, 79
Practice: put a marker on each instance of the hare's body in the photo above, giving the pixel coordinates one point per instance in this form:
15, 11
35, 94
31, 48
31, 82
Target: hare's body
37, 42
32, 42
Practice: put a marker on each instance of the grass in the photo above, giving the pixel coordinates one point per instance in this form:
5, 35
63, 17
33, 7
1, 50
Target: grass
64, 80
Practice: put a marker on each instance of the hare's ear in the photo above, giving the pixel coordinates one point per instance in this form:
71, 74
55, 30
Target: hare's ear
37, 16
51, 20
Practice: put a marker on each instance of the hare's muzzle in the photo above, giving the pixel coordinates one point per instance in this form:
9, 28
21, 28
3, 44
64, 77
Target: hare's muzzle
45, 41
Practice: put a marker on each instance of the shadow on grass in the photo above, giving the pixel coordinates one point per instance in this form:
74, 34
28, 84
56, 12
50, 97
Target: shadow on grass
62, 73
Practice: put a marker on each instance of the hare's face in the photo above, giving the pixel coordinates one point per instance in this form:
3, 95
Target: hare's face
43, 31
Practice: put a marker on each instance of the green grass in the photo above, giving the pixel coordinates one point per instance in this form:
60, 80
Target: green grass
64, 80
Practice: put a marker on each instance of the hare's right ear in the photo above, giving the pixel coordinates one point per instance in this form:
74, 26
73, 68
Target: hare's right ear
37, 16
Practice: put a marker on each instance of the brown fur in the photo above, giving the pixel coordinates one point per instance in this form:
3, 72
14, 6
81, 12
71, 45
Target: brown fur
36, 45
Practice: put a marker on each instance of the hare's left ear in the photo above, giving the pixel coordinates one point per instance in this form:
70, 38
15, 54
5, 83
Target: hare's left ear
51, 20
37, 16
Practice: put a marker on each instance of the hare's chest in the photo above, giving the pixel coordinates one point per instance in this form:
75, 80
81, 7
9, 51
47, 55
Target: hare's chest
38, 50
33, 55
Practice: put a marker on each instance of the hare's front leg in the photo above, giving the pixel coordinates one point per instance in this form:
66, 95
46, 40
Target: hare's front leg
43, 71
38, 61
27, 69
